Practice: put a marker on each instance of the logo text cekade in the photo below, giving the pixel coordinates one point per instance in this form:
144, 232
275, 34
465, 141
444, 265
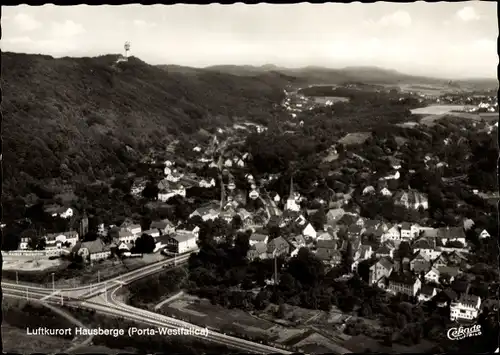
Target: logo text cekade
464, 332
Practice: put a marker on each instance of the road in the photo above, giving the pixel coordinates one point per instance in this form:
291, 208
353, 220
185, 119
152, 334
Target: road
102, 299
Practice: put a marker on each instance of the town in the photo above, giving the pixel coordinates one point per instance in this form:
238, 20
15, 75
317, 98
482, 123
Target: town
217, 199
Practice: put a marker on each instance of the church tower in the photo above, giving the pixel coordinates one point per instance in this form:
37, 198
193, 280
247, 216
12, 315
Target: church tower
291, 204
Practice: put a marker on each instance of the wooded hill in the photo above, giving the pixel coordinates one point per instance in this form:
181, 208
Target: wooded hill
71, 118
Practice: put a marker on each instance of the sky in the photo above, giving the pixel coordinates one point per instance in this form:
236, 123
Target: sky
446, 39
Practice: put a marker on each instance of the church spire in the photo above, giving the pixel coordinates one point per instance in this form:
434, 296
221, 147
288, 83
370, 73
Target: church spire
291, 195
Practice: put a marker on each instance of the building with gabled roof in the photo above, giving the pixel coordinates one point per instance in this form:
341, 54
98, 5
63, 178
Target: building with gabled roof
403, 282
466, 307
257, 250
382, 268
93, 250
426, 293
278, 246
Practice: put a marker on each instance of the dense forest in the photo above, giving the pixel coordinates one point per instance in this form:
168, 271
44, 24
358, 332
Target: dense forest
85, 119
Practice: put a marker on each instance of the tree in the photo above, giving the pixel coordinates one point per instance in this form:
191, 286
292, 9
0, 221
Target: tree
37, 243
318, 219
145, 244
348, 257
150, 190
281, 312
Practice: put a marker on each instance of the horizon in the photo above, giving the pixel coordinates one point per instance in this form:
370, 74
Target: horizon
454, 41
269, 64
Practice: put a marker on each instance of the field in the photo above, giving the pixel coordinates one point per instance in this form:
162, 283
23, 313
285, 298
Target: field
430, 90
437, 109
355, 138
261, 327
29, 263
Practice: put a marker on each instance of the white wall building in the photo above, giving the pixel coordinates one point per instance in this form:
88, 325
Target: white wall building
467, 307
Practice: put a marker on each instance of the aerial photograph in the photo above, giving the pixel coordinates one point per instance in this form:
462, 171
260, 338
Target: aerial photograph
250, 179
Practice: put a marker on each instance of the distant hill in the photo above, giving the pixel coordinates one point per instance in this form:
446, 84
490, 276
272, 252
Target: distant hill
72, 117
363, 74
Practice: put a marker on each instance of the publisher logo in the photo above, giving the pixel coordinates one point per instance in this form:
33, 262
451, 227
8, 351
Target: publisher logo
464, 332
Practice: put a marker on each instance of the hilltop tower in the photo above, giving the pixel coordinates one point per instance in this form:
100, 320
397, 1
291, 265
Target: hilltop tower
127, 49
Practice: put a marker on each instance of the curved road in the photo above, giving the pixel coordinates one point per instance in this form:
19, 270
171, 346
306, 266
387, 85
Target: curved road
83, 297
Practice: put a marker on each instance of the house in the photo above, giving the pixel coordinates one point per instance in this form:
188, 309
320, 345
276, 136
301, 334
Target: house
92, 251
164, 226
432, 275
330, 257
363, 253
384, 251
240, 163
484, 234
59, 211
454, 234
381, 268
309, 231
411, 199
427, 247
278, 246
386, 192
206, 213
406, 231
466, 307
58, 240
426, 293
298, 241
441, 260
182, 242
173, 190
256, 238
291, 202
228, 163
392, 234
420, 263
135, 229
258, 250
405, 283
126, 236
161, 242
207, 184
123, 247
449, 272
368, 190
334, 215
325, 236
155, 233
191, 230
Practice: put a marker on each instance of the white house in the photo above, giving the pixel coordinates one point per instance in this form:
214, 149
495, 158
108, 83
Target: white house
228, 163
256, 238
182, 243
466, 307
174, 190
292, 205
432, 276
168, 163
167, 171
194, 230
240, 163
58, 211
135, 229
126, 236
56, 240
484, 234
392, 234
174, 176
197, 149
207, 184
426, 293
309, 231
386, 192
92, 251
277, 198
